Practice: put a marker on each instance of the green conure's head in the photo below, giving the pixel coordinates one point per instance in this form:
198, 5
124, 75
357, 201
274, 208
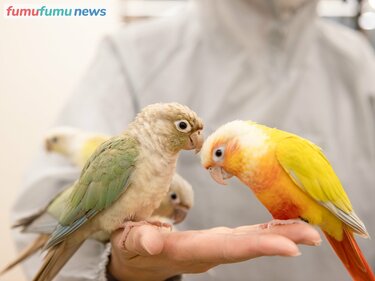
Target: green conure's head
169, 125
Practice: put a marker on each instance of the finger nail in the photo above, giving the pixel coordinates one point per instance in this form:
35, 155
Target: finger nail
296, 254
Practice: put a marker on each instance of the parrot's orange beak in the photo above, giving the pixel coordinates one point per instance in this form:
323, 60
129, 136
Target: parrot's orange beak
219, 174
196, 141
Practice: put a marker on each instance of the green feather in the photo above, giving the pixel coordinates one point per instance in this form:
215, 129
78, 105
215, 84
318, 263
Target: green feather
103, 179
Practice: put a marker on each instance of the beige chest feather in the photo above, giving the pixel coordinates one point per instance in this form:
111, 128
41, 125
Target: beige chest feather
150, 183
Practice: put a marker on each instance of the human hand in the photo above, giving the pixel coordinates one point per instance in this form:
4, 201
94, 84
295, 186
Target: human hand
156, 254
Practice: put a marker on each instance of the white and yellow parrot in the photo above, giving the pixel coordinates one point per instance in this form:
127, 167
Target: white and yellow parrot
293, 179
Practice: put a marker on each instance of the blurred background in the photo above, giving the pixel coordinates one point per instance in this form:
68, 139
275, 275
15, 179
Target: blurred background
41, 61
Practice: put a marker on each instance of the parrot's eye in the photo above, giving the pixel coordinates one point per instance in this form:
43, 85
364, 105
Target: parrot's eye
174, 197
183, 126
218, 154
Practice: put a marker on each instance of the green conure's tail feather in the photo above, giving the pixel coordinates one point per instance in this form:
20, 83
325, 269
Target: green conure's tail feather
351, 256
35, 246
58, 255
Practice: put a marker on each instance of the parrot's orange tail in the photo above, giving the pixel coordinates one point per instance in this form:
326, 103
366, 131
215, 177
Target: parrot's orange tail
351, 256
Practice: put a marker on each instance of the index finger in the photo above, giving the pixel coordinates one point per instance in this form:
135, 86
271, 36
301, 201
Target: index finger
207, 247
301, 233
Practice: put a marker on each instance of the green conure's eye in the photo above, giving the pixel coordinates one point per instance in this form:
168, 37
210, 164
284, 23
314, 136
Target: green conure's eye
183, 126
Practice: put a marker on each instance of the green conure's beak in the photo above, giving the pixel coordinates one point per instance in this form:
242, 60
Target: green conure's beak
195, 141
219, 174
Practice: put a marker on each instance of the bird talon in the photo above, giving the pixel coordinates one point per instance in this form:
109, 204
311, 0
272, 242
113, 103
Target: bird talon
129, 225
161, 224
273, 223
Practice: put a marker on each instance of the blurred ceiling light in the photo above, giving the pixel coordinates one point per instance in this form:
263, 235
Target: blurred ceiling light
338, 8
372, 4
367, 21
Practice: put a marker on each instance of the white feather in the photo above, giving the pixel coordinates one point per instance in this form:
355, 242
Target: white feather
249, 135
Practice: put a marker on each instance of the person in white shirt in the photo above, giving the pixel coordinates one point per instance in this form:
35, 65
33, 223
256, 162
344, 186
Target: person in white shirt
274, 62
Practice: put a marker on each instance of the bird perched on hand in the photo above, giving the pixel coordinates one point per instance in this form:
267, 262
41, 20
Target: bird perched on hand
174, 207
293, 179
124, 181
77, 146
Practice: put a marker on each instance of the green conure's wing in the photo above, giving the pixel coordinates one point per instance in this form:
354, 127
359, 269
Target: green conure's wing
56, 207
45, 220
310, 170
104, 178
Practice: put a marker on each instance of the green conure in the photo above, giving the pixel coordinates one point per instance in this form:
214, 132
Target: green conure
173, 208
124, 180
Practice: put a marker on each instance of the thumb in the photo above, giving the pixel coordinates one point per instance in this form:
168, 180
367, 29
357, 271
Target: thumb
145, 240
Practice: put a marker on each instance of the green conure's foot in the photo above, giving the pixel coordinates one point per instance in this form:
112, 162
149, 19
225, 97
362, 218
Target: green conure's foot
128, 225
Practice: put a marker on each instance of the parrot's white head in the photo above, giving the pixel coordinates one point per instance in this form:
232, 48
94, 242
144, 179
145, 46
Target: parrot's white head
62, 140
181, 196
178, 201
232, 147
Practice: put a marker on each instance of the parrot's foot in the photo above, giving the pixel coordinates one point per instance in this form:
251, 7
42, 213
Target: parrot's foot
280, 222
128, 225
161, 224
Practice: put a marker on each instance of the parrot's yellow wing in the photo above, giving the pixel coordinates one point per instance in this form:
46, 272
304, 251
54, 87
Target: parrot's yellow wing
310, 170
